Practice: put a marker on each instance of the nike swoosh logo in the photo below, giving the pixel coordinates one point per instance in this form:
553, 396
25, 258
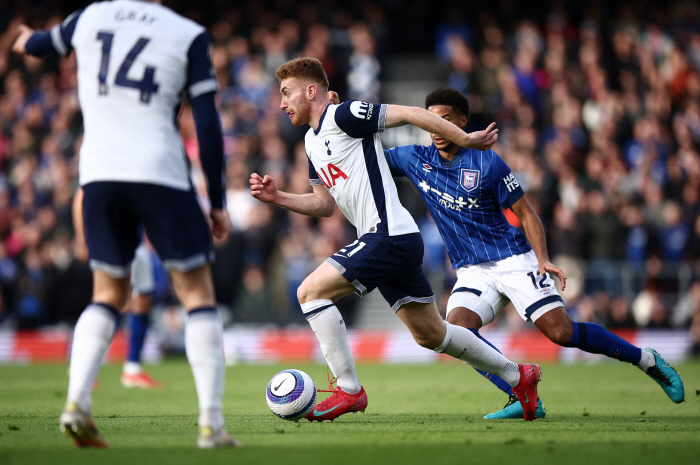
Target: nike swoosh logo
280, 384
527, 401
318, 414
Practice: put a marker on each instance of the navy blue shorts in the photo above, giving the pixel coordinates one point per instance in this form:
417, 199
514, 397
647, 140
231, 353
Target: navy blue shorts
114, 213
393, 264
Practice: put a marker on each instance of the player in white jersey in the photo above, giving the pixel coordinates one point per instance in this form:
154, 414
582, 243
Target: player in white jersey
347, 167
135, 62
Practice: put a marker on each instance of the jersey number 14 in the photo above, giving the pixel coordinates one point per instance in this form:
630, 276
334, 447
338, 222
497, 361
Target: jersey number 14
146, 85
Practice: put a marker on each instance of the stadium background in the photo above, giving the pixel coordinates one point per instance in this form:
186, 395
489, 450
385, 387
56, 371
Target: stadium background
598, 104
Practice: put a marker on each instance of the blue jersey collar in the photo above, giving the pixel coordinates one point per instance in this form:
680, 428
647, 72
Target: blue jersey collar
444, 162
320, 121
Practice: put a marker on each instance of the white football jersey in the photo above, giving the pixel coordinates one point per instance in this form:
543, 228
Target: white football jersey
346, 156
132, 73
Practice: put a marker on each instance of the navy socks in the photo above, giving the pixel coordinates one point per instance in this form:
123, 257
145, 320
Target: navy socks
595, 339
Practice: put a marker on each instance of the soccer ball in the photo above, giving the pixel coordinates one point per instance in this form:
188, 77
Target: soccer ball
291, 394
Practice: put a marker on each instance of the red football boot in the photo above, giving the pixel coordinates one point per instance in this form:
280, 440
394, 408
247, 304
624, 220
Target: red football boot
526, 390
140, 380
338, 403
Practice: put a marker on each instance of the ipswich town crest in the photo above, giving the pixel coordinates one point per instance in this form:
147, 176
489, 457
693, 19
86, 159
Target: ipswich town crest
469, 179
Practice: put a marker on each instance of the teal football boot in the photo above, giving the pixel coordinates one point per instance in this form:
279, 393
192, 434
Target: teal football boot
668, 378
513, 409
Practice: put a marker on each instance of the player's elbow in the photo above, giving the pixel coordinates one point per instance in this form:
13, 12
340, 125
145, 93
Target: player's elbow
328, 210
325, 206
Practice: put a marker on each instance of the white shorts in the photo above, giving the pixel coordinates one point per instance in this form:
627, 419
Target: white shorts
488, 287
142, 281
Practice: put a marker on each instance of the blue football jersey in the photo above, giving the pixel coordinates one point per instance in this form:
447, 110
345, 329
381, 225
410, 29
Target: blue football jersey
465, 197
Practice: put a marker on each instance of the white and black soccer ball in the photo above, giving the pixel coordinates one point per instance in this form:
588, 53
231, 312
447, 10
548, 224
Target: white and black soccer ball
291, 394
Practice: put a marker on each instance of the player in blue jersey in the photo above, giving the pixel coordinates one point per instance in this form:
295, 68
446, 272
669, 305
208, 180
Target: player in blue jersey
347, 168
465, 191
136, 61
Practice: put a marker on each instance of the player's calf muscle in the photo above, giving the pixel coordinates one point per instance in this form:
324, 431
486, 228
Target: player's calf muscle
424, 322
557, 326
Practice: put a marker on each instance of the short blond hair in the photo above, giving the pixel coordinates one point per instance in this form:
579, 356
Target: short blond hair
306, 68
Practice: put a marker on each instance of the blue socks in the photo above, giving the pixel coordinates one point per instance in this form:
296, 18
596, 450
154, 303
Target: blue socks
497, 380
595, 339
138, 326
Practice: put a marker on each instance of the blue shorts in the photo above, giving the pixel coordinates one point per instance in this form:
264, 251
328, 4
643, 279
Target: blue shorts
393, 264
114, 212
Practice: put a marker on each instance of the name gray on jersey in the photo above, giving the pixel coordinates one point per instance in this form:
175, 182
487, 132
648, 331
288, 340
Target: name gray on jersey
131, 15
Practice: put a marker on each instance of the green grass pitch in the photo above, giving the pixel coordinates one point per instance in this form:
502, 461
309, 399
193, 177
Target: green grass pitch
608, 413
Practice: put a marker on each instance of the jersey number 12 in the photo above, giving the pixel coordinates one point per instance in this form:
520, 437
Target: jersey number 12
146, 85
542, 282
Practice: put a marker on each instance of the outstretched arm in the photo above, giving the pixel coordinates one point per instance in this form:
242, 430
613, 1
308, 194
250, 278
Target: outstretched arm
318, 203
532, 225
42, 43
399, 115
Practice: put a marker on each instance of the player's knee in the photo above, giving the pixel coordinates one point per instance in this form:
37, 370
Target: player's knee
305, 292
302, 294
315, 287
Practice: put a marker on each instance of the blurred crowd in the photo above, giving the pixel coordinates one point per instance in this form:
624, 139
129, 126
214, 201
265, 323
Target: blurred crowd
598, 104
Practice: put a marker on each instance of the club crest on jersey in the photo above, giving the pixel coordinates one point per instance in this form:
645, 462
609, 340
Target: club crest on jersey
328, 148
362, 110
469, 179
427, 167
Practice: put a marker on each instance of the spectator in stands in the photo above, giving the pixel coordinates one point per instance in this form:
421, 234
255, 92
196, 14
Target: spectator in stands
588, 109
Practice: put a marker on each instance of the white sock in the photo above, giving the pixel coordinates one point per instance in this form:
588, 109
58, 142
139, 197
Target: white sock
91, 337
463, 344
131, 368
329, 327
647, 361
204, 348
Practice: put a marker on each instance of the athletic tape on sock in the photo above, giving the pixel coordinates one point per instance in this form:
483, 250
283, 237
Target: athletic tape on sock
448, 336
315, 307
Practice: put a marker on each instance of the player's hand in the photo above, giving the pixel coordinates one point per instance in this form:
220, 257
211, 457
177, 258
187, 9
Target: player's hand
220, 222
333, 97
263, 189
20, 45
482, 140
548, 267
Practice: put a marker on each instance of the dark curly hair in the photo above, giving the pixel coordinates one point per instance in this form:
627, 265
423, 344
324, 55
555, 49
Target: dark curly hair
448, 96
